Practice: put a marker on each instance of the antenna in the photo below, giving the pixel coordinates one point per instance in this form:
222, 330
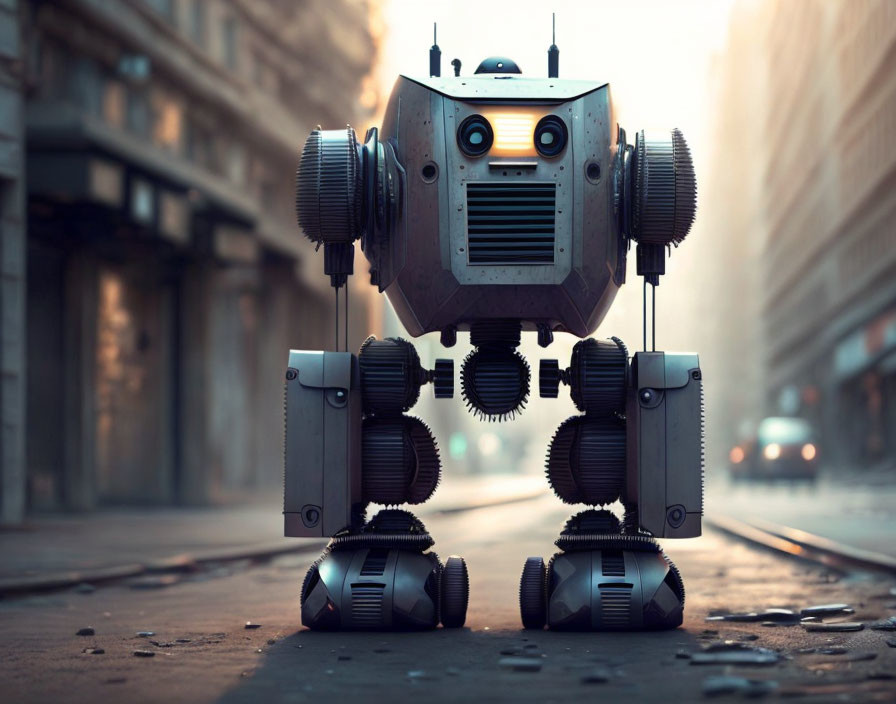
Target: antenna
435, 56
553, 52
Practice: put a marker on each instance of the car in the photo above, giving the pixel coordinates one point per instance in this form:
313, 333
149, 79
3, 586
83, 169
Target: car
781, 448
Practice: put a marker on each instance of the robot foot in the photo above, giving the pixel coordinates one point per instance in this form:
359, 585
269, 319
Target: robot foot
381, 577
602, 580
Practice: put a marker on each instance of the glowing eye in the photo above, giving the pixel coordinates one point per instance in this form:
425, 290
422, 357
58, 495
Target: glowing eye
550, 136
474, 136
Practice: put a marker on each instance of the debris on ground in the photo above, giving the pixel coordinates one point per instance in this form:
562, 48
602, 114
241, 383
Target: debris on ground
720, 685
842, 627
734, 653
827, 610
520, 664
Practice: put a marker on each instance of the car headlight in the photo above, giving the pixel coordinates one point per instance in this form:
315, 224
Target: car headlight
772, 451
808, 452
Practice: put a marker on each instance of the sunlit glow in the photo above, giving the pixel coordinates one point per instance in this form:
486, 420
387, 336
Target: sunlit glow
457, 446
514, 131
772, 451
808, 452
736, 455
488, 444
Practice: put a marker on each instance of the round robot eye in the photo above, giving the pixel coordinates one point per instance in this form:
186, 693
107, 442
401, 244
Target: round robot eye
475, 136
550, 136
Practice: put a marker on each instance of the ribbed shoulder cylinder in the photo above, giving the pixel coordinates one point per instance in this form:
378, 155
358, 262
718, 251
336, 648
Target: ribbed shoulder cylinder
329, 187
665, 189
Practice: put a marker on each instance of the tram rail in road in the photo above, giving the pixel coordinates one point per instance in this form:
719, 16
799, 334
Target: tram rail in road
802, 545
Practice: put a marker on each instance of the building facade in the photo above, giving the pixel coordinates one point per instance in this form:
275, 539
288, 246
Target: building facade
166, 278
815, 169
12, 267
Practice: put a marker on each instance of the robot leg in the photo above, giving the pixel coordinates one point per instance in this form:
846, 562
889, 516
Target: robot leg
348, 443
639, 440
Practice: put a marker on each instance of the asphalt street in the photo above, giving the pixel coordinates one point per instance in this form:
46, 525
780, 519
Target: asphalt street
200, 650
857, 513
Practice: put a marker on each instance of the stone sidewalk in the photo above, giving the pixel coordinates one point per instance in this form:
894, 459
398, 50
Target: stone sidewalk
61, 550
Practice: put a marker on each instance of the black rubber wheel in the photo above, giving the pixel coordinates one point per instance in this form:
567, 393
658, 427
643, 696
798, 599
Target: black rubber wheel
533, 603
455, 592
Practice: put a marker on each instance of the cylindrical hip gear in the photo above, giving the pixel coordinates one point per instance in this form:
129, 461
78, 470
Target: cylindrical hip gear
586, 460
391, 375
399, 461
597, 376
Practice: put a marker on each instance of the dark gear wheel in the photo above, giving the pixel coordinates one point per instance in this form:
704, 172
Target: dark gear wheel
548, 378
665, 190
598, 372
592, 521
586, 460
455, 592
399, 461
395, 520
443, 378
614, 541
533, 600
495, 382
389, 528
329, 187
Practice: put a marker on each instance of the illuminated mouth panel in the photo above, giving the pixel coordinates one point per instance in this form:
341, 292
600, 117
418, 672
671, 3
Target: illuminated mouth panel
514, 130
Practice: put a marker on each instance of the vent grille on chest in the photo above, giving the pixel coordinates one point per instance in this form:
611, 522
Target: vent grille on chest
511, 223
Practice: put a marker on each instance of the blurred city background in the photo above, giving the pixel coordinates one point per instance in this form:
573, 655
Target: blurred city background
154, 277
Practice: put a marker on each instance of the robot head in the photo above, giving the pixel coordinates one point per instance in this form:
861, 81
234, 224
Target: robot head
497, 196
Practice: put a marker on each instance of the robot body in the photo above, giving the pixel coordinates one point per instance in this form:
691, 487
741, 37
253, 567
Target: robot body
495, 204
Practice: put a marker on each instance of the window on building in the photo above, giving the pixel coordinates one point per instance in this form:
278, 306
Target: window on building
114, 103
229, 42
86, 86
199, 145
166, 8
138, 113
197, 22
167, 120
236, 163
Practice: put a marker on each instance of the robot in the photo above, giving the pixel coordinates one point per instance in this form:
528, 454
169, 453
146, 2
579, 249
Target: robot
495, 204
